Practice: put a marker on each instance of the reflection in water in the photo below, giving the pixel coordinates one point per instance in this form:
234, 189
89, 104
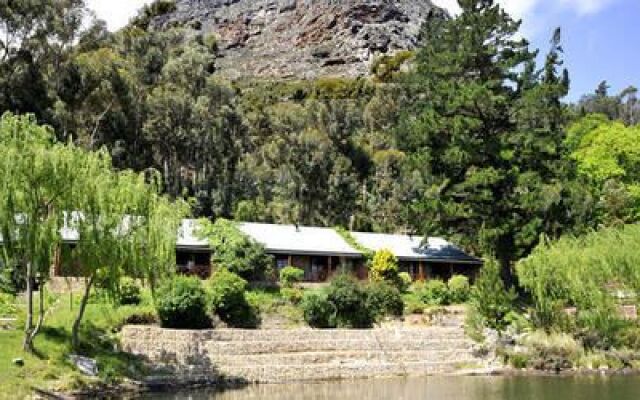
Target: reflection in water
435, 388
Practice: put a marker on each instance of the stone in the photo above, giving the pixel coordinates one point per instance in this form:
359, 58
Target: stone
85, 365
18, 361
301, 354
302, 38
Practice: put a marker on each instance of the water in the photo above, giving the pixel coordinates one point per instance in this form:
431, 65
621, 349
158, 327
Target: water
434, 388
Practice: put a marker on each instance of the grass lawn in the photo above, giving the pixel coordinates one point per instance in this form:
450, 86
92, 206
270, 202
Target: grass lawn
49, 367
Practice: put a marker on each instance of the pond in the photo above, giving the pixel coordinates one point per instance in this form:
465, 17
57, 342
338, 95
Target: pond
434, 388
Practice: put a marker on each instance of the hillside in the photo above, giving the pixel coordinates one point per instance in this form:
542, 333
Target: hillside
302, 38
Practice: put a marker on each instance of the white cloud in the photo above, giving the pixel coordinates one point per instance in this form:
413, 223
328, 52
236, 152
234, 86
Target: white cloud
116, 12
586, 7
525, 8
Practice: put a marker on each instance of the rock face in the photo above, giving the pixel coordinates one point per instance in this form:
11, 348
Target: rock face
302, 38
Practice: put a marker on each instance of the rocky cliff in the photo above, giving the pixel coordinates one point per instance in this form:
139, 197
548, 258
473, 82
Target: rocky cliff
302, 38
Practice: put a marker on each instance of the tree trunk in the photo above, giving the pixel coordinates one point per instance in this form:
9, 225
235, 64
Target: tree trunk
28, 328
41, 312
75, 331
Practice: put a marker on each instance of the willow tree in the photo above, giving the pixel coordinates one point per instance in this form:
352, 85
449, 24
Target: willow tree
36, 177
125, 228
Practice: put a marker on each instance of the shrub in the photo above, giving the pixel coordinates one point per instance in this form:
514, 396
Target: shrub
629, 338
384, 299
490, 296
413, 305
228, 300
7, 305
292, 295
181, 304
141, 318
474, 325
554, 351
459, 289
435, 293
233, 250
350, 302
129, 292
318, 311
384, 267
290, 275
404, 281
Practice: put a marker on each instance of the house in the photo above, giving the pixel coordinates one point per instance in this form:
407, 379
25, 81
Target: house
436, 258
321, 252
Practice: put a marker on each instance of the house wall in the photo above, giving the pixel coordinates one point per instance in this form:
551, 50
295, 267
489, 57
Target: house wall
194, 263
444, 271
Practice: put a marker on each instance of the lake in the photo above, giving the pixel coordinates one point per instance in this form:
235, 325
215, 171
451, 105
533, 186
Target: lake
434, 388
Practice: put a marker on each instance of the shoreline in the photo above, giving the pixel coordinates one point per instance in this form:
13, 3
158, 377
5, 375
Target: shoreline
169, 385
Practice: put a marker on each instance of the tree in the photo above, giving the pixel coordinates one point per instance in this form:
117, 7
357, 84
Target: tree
233, 250
36, 36
125, 227
384, 267
36, 178
623, 106
608, 157
486, 134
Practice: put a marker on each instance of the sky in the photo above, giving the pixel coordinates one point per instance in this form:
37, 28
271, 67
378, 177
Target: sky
600, 37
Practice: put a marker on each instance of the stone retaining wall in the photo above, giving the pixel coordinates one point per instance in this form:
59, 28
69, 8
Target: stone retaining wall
275, 356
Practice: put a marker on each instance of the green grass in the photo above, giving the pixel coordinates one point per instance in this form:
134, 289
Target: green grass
271, 303
49, 367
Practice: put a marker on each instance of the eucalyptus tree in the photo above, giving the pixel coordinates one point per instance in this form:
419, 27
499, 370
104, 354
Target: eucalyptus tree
36, 36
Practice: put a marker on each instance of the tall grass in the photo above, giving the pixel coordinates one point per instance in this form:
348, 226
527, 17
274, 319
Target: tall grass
585, 272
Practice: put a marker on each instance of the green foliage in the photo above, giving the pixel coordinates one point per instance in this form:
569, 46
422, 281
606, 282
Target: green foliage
474, 325
319, 312
129, 292
350, 301
435, 293
227, 291
552, 351
585, 273
8, 307
384, 267
404, 281
490, 297
48, 187
623, 106
608, 156
181, 303
487, 130
459, 289
383, 299
387, 68
292, 295
235, 251
290, 276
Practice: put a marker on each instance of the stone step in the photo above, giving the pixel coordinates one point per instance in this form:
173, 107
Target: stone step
271, 346
316, 372
340, 357
333, 334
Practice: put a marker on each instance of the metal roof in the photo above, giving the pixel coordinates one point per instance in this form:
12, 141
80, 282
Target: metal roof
187, 238
286, 239
411, 248
304, 240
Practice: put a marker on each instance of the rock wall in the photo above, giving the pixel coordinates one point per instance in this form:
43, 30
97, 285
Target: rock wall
276, 356
302, 38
